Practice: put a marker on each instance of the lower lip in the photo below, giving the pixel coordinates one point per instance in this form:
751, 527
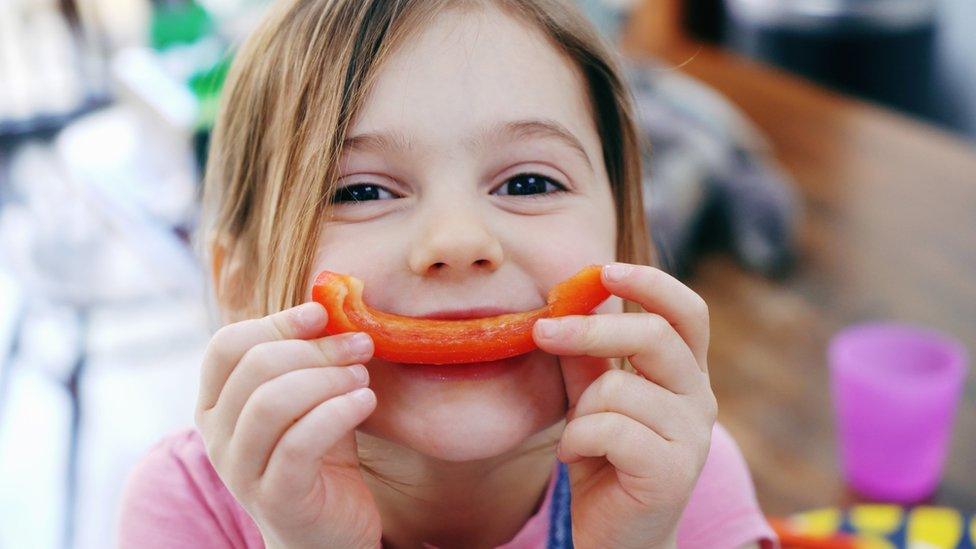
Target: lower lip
475, 371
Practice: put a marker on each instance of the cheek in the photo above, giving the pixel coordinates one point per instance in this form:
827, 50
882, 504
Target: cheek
555, 248
356, 250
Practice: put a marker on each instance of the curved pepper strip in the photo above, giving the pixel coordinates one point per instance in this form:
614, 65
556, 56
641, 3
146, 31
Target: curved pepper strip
436, 341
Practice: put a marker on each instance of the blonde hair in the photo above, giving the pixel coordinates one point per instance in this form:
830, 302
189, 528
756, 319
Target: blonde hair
293, 89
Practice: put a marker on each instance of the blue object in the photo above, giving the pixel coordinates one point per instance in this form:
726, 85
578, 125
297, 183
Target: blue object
560, 524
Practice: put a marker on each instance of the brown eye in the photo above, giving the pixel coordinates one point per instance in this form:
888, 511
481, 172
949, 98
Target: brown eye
529, 184
361, 192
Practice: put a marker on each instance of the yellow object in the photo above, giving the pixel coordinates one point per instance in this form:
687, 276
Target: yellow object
819, 522
885, 526
876, 519
937, 527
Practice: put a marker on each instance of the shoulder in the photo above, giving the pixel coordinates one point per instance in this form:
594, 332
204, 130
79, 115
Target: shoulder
180, 456
173, 497
723, 510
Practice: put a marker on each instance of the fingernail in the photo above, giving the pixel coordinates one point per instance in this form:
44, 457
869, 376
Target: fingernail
615, 272
359, 372
549, 328
364, 395
359, 344
311, 315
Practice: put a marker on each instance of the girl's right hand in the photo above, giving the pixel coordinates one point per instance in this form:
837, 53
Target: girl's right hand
277, 410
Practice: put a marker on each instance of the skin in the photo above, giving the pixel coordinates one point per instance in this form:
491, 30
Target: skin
318, 459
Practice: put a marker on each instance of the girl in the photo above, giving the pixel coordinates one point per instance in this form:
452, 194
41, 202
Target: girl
460, 157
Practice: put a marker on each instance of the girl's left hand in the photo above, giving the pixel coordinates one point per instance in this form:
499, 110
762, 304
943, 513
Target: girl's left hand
636, 443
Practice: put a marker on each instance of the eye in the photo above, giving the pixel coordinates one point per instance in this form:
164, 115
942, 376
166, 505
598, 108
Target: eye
361, 192
526, 184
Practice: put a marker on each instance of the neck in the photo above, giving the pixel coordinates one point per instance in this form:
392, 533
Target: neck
482, 503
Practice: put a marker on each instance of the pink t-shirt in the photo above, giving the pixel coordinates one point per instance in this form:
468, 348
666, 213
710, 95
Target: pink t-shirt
174, 498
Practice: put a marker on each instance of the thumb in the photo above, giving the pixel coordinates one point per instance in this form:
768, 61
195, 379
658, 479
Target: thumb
344, 453
578, 373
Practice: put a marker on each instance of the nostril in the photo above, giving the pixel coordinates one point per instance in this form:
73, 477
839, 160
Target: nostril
438, 266
482, 263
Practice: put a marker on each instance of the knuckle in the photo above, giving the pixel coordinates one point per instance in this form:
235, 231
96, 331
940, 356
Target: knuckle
331, 380
589, 331
262, 403
261, 407
290, 450
656, 325
700, 308
655, 279
261, 358
611, 384
221, 346
571, 432
711, 408
329, 350
610, 424
277, 326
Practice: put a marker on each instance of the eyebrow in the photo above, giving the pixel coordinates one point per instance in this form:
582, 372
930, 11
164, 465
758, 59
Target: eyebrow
520, 129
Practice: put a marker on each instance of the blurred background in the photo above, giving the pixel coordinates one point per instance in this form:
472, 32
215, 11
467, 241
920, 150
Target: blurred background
813, 167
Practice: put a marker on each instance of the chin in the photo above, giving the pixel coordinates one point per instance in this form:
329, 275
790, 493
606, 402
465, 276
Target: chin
470, 420
469, 432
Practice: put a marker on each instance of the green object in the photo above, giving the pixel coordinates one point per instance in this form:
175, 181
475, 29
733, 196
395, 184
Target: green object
206, 86
175, 23
186, 23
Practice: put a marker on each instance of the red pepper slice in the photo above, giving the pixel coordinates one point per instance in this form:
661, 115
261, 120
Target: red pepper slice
436, 341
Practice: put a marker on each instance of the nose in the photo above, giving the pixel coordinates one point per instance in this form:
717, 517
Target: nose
454, 239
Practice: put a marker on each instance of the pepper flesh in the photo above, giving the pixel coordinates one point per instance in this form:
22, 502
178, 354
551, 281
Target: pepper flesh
412, 340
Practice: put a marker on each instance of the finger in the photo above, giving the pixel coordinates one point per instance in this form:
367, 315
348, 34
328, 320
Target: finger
267, 361
578, 373
651, 344
631, 395
629, 446
297, 458
660, 293
231, 342
278, 404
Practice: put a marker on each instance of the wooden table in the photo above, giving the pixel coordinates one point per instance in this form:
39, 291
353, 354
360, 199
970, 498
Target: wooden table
888, 232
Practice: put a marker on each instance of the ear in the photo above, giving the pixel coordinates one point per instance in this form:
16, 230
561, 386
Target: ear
218, 251
226, 277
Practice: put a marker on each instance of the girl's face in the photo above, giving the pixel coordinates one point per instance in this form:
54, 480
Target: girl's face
472, 182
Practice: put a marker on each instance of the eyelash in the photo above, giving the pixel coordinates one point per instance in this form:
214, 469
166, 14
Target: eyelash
559, 188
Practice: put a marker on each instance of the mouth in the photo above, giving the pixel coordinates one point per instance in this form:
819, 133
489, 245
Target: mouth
474, 371
451, 336
464, 314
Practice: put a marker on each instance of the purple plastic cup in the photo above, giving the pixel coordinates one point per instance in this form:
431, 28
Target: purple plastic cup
895, 390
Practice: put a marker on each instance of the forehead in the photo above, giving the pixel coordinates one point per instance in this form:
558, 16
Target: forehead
472, 69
